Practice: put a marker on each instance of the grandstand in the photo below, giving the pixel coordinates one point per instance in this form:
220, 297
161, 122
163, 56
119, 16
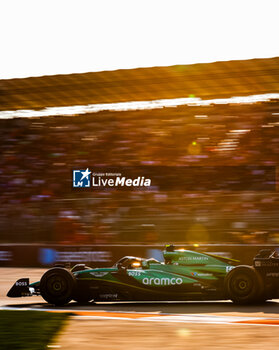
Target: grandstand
38, 155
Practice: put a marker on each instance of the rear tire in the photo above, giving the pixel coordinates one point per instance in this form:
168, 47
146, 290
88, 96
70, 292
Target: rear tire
57, 285
244, 285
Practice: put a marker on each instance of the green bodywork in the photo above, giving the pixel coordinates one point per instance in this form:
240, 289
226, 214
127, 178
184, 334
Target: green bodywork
184, 275
184, 272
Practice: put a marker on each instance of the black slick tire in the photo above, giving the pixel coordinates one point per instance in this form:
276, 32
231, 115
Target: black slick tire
243, 285
57, 285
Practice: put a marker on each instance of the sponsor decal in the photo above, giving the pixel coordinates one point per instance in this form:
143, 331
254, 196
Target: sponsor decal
272, 274
165, 281
266, 263
201, 274
108, 296
193, 258
134, 273
21, 284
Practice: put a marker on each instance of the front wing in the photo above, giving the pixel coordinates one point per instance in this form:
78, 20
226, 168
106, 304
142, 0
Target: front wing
22, 288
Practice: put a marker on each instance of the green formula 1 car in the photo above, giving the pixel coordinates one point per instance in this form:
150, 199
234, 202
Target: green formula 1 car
184, 275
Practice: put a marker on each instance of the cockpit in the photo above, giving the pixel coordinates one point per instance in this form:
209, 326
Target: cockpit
132, 262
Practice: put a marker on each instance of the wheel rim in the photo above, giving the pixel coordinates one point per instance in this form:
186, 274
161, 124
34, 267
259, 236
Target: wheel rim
56, 285
242, 285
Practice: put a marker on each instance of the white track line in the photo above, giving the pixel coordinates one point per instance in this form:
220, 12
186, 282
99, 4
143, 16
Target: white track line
162, 317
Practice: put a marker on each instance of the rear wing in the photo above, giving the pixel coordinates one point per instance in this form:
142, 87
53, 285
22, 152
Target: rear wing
267, 258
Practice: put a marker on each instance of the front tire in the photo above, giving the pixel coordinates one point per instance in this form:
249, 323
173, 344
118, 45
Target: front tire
57, 285
244, 285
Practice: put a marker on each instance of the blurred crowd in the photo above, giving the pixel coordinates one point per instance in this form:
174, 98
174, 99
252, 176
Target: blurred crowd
38, 203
